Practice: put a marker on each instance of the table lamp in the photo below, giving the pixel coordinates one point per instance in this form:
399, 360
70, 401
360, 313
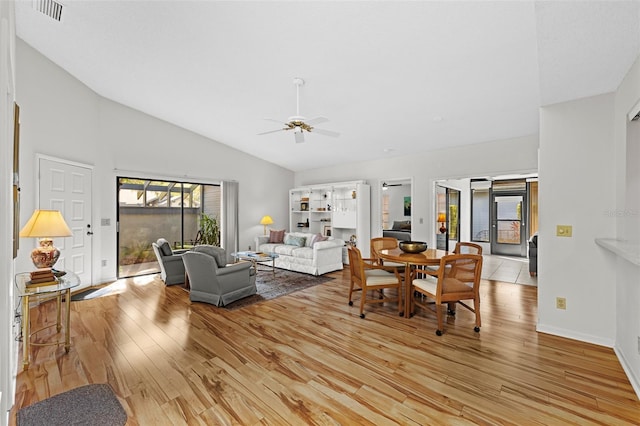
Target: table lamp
266, 220
45, 224
442, 218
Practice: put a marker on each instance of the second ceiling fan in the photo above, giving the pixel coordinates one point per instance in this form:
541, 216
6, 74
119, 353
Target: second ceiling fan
300, 124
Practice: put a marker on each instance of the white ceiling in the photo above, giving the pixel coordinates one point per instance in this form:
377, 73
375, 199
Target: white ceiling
393, 77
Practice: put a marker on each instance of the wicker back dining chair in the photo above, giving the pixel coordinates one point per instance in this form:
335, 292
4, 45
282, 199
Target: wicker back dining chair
450, 283
385, 243
369, 277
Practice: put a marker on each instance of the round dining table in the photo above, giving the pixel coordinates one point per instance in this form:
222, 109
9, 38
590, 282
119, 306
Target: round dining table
429, 257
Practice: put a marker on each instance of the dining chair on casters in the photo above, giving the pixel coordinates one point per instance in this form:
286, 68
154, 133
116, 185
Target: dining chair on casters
449, 284
367, 276
467, 248
385, 243
464, 273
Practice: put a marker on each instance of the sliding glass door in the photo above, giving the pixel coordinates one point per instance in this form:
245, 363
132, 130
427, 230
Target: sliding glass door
151, 209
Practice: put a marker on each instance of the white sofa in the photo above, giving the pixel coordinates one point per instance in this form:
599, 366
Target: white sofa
322, 257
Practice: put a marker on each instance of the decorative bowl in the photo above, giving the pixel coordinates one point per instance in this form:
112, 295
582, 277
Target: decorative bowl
412, 246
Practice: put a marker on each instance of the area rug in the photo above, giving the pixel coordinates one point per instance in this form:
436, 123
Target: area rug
92, 293
271, 286
94, 404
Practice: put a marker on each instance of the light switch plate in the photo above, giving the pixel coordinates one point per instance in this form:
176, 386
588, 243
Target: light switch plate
564, 230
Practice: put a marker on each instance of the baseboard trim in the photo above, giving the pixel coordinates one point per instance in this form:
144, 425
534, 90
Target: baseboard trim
609, 343
571, 334
635, 382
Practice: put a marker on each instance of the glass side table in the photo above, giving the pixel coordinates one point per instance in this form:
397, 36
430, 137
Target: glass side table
28, 293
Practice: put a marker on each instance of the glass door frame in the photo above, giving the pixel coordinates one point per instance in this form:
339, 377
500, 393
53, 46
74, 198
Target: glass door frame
506, 249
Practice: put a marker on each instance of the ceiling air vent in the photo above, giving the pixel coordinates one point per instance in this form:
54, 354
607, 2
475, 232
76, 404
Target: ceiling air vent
49, 7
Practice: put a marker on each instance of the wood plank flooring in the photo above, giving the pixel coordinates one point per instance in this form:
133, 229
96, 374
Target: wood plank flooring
308, 358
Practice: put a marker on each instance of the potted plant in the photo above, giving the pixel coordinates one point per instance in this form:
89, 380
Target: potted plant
210, 230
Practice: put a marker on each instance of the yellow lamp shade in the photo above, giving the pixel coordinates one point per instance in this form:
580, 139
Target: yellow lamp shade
266, 220
45, 224
442, 217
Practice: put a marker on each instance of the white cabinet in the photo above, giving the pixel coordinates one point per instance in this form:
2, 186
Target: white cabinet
341, 210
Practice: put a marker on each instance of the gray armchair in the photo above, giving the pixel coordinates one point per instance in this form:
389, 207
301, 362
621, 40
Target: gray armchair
214, 281
171, 266
533, 255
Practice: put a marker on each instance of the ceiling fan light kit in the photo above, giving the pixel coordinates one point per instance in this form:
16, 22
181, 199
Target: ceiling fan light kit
300, 124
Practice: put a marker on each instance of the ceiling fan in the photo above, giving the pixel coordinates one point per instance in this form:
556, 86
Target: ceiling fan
386, 185
300, 124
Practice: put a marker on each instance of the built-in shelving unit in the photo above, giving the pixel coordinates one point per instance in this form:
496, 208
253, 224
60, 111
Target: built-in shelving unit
341, 210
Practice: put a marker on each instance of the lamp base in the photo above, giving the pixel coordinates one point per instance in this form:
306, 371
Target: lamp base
46, 255
443, 229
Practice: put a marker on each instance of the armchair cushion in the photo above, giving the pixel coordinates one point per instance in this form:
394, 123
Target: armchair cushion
165, 247
218, 253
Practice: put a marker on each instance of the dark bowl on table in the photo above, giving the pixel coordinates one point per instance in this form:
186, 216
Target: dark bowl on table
412, 246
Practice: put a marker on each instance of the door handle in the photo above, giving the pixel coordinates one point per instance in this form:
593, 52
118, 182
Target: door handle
89, 229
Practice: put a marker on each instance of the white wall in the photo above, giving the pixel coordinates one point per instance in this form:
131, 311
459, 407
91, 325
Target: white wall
8, 346
627, 303
577, 187
518, 155
65, 119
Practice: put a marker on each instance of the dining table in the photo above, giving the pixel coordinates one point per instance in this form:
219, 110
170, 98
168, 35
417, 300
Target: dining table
429, 257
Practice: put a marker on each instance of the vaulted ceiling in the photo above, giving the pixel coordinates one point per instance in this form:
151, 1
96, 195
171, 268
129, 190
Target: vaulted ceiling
393, 78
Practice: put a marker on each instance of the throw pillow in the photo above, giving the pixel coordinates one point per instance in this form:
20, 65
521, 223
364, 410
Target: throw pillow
276, 237
317, 238
294, 241
406, 226
165, 247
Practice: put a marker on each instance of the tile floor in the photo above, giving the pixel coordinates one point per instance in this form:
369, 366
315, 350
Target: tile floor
507, 269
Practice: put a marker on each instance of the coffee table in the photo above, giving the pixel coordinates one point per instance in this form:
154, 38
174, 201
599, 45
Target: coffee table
256, 257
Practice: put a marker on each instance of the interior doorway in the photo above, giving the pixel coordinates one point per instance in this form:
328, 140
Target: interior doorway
499, 213
447, 217
395, 208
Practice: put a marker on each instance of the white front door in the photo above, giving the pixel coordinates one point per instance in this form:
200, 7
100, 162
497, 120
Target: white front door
66, 187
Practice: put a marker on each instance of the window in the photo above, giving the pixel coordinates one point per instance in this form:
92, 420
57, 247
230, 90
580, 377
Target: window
151, 209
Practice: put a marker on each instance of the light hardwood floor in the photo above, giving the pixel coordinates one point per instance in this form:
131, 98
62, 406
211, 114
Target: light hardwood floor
307, 358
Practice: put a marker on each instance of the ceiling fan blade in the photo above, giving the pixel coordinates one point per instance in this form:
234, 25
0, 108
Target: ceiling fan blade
299, 137
276, 121
325, 132
316, 120
271, 131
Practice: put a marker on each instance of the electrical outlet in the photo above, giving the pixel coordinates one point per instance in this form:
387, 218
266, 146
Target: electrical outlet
564, 230
104, 262
638, 345
561, 303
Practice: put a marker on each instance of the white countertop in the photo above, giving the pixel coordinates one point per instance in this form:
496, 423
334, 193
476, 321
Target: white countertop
625, 249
